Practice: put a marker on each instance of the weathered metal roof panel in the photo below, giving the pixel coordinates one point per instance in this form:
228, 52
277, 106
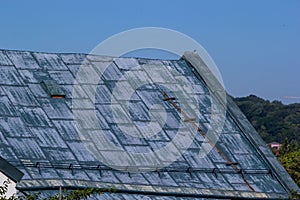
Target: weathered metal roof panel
40, 137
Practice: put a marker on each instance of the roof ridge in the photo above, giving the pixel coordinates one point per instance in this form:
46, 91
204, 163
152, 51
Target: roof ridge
86, 54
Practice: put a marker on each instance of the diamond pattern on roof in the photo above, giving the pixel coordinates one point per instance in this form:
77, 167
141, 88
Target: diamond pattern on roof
4, 60
9, 76
40, 136
22, 60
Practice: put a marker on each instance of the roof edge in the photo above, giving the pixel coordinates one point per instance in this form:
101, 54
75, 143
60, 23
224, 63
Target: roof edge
87, 55
10, 171
240, 119
215, 87
49, 184
252, 135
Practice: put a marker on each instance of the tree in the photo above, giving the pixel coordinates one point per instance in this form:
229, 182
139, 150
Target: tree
273, 120
291, 162
288, 147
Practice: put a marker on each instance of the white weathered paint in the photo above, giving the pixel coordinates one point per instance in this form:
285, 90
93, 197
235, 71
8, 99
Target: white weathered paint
11, 188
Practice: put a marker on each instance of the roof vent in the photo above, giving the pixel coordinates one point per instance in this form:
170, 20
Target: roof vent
53, 89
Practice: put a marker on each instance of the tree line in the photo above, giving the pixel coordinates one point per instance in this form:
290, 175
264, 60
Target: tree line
274, 120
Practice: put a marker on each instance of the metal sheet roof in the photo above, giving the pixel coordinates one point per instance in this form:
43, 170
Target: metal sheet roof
40, 137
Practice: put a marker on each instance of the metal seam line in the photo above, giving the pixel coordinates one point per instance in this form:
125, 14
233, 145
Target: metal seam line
188, 119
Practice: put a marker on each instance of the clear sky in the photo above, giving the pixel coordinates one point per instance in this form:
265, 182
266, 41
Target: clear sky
256, 44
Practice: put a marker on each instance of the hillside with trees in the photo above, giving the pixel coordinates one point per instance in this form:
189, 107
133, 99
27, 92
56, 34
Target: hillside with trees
274, 121
291, 162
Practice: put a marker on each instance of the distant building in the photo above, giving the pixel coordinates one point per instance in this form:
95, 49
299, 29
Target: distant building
275, 146
42, 148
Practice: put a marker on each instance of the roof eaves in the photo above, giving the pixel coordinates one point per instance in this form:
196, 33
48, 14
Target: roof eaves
37, 185
10, 171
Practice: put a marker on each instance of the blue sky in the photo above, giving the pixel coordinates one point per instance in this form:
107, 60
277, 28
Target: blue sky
255, 44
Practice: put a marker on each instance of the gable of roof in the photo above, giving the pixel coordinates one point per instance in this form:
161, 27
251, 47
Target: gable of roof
40, 136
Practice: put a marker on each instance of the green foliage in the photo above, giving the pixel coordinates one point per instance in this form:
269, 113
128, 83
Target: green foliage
288, 147
291, 162
294, 195
273, 120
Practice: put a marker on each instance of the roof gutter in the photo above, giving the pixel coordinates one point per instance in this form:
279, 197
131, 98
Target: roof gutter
54, 184
155, 193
